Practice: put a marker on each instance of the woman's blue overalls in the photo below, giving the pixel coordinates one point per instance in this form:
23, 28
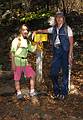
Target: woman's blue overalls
60, 61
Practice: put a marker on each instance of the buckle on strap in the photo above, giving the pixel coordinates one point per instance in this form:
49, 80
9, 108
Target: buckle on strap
57, 45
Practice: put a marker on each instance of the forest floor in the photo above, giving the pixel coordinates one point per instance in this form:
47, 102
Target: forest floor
47, 108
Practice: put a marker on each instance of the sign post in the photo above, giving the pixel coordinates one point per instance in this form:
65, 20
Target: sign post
39, 38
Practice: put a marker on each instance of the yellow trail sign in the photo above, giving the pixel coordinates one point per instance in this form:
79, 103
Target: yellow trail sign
40, 37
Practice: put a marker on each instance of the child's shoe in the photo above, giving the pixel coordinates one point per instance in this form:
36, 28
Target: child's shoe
20, 96
33, 94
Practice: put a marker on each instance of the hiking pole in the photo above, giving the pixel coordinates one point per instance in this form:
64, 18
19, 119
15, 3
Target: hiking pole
69, 77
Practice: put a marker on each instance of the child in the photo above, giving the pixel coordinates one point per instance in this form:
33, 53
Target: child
19, 51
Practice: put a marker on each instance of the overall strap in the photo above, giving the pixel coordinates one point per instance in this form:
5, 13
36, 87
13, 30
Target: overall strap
66, 29
54, 34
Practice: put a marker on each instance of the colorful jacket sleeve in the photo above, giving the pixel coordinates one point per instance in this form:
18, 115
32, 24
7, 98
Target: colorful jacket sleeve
32, 48
14, 45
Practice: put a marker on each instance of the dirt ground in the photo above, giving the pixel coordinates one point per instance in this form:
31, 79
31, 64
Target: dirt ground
46, 108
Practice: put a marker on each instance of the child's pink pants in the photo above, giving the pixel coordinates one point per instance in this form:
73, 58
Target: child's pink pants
27, 70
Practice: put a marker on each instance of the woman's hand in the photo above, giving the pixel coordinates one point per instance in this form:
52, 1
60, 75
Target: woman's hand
13, 67
70, 60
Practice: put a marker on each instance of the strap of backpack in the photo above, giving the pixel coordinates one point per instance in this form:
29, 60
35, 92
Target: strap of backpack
19, 42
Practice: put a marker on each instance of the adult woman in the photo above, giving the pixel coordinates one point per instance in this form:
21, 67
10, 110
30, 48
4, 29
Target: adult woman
62, 53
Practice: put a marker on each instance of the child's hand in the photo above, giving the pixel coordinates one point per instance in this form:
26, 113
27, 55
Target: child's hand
33, 34
13, 67
29, 64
